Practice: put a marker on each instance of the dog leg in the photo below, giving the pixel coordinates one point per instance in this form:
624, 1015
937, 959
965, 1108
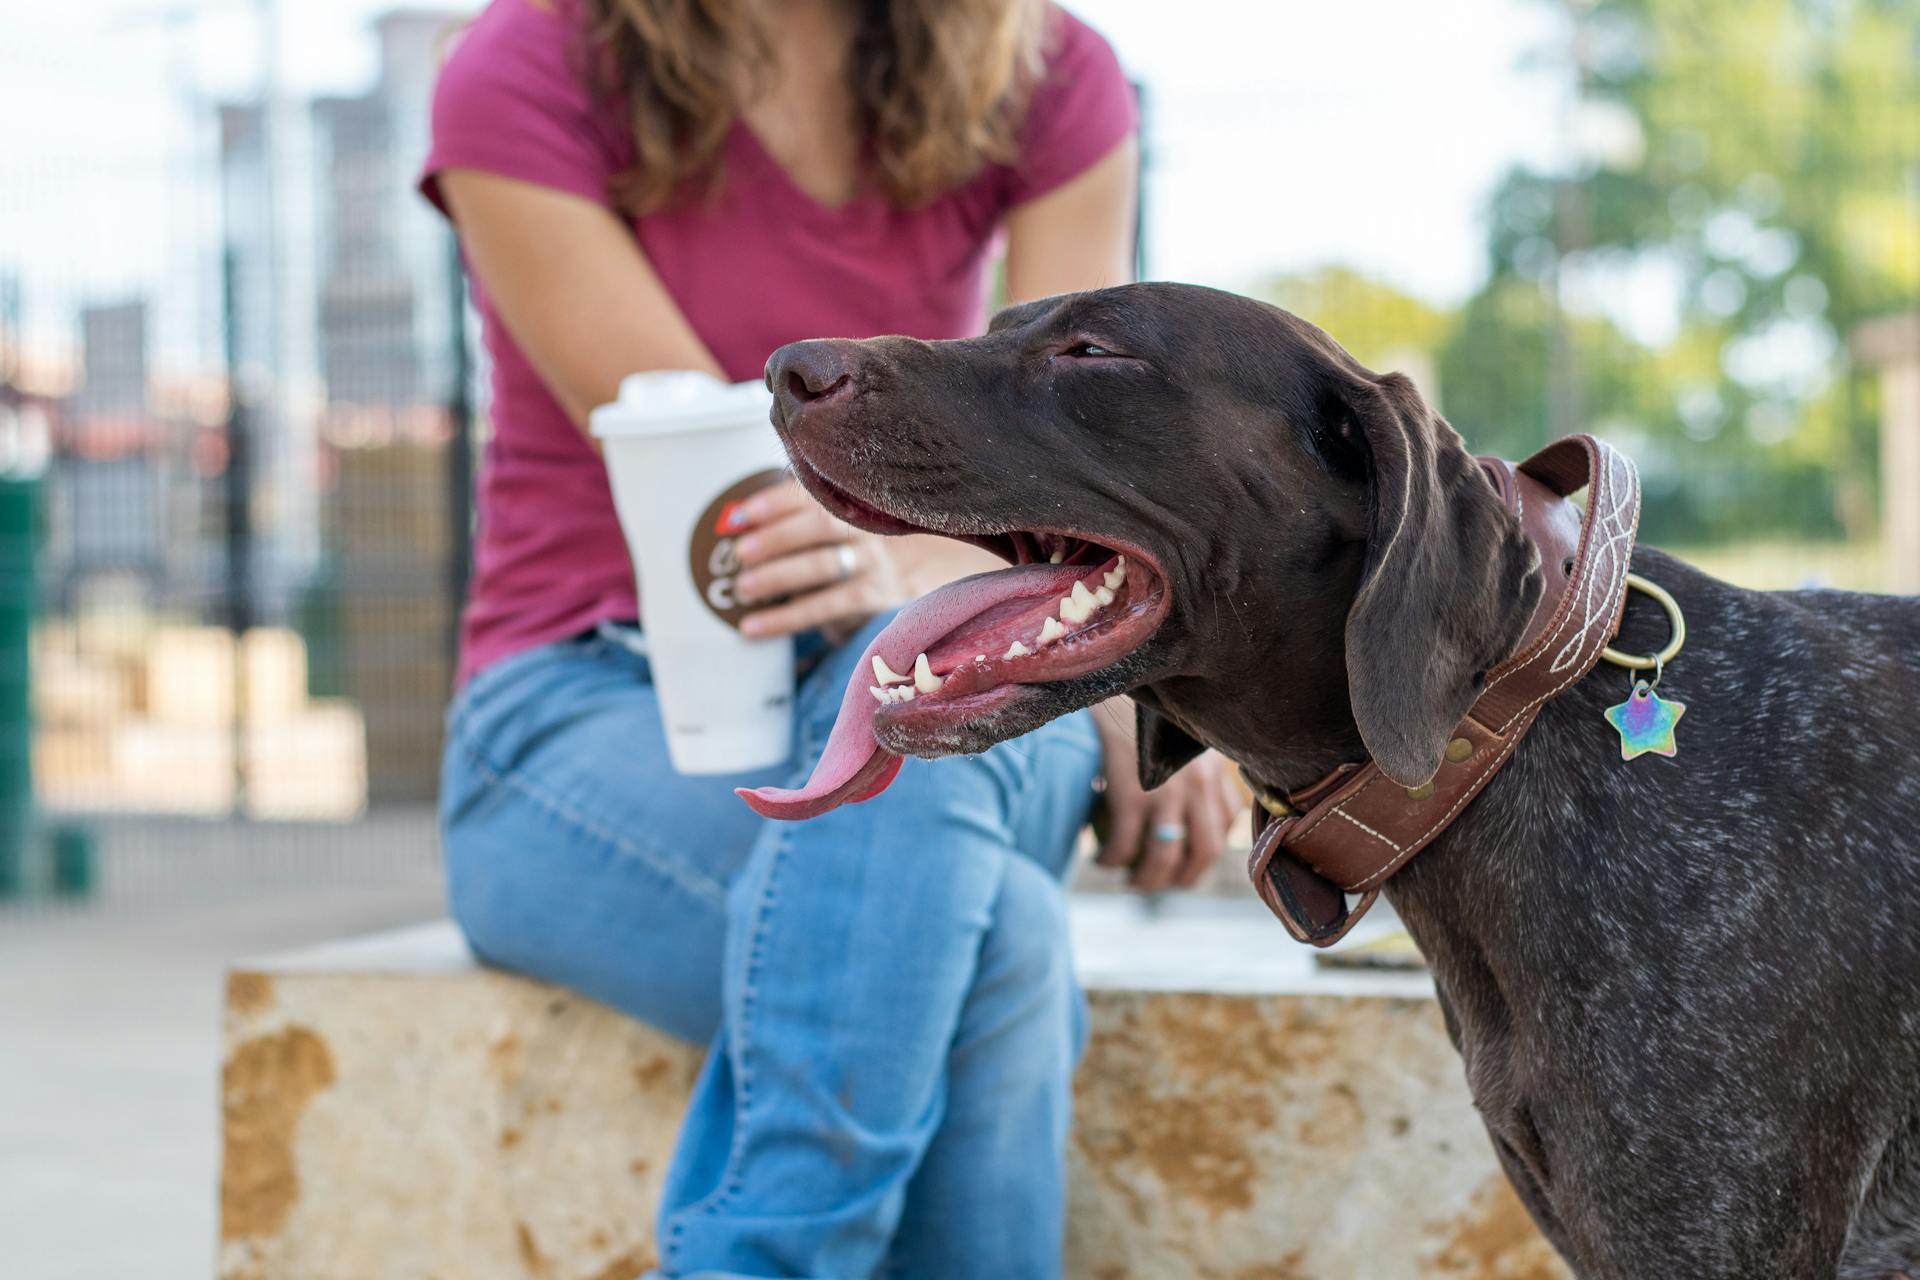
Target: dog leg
1885, 1241
1690, 1199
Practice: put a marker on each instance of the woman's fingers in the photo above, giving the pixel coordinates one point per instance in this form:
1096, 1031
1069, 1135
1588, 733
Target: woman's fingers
1164, 851
790, 531
1126, 821
774, 501
797, 572
1206, 837
855, 598
1232, 803
1184, 830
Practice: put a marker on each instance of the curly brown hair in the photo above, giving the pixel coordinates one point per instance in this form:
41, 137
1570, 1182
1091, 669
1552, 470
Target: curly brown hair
940, 87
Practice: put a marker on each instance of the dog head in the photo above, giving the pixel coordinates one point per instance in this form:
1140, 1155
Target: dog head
1206, 502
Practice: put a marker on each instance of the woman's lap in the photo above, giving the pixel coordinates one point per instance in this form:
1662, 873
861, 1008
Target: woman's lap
577, 855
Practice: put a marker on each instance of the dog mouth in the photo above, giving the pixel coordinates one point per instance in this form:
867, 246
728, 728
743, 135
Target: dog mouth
965, 665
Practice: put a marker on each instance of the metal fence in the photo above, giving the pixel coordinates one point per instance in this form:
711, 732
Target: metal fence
238, 421
237, 524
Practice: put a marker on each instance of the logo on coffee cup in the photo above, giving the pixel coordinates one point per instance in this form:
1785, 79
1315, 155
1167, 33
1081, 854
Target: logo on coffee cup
715, 545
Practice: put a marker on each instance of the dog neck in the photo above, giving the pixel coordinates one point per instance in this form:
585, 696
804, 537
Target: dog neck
1354, 828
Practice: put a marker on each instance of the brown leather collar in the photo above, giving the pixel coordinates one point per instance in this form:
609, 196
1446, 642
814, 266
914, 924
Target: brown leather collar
1350, 831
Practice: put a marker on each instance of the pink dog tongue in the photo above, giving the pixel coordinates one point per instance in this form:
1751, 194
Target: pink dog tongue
855, 767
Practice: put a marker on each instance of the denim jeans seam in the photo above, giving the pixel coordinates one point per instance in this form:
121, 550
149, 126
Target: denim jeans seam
729, 1181
654, 858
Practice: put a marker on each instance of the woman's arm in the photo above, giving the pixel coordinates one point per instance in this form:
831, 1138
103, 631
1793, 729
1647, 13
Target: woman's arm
579, 297
572, 286
1078, 235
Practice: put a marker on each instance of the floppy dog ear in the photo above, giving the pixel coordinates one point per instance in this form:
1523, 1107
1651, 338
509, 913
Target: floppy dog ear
1448, 585
1164, 746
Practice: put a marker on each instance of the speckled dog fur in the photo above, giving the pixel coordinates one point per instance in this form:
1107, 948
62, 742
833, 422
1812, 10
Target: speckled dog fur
1687, 991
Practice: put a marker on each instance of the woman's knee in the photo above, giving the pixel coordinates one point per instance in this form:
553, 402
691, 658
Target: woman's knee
479, 900
1029, 944
1022, 1011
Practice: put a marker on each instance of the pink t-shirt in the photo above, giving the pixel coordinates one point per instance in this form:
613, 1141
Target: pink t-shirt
763, 266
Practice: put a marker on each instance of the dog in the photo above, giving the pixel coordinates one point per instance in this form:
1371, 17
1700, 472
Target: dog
1686, 991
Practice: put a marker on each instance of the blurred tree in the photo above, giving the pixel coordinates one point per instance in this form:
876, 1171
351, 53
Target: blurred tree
1755, 160
1373, 320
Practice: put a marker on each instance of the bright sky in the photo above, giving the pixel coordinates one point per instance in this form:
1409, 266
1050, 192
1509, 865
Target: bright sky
1284, 134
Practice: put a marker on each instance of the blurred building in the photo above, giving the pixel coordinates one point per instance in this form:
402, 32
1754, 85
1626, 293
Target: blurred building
390, 314
386, 275
337, 297
121, 503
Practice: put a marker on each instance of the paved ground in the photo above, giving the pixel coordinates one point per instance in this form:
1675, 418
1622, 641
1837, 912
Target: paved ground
109, 1028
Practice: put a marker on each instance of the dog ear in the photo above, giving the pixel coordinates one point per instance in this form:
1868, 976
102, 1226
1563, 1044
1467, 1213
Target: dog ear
1448, 585
1165, 748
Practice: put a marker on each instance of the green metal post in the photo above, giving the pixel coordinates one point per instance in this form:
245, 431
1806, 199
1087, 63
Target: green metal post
19, 529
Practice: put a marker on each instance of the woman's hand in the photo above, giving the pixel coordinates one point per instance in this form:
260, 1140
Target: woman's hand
1168, 837
810, 569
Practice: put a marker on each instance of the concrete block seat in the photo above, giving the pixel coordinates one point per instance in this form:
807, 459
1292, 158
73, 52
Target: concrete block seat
392, 1110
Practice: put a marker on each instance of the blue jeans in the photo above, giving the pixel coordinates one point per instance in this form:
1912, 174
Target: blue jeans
887, 989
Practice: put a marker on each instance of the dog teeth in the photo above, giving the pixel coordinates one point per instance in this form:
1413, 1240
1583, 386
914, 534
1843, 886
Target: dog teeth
1104, 595
923, 678
979, 657
886, 674
1050, 630
1057, 556
880, 695
1116, 575
1016, 650
1078, 606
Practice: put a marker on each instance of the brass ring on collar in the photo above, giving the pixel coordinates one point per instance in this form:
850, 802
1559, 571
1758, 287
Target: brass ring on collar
1675, 619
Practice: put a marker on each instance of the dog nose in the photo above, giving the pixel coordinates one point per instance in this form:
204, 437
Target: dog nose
802, 373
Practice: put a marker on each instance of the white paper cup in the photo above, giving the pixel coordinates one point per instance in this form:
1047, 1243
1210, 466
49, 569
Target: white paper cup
683, 448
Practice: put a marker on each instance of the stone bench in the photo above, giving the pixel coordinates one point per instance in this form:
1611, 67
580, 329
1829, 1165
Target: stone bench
394, 1112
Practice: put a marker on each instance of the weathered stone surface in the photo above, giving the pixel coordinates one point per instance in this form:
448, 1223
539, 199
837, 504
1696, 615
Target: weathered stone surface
1280, 1137
456, 1125
393, 1111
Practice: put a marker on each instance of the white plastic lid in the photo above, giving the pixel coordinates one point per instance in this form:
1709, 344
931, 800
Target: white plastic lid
666, 401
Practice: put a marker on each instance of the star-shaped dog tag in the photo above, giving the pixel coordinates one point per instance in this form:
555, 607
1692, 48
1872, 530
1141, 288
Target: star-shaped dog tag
1645, 721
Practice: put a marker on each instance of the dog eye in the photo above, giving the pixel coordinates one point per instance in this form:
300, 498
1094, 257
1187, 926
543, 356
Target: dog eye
1083, 350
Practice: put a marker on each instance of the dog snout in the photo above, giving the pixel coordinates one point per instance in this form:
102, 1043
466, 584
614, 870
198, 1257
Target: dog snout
803, 374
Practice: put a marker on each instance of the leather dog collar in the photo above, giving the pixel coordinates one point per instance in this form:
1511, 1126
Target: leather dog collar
1350, 831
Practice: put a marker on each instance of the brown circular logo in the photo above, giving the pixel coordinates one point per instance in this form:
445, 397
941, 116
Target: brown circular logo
714, 546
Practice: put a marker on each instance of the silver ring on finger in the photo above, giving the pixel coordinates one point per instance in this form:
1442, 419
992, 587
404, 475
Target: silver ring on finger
849, 560
1170, 832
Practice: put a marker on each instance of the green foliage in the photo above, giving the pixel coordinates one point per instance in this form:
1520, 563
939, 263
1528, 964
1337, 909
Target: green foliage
1761, 156
1374, 321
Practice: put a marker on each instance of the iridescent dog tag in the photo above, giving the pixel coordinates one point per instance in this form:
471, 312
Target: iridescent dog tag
1645, 721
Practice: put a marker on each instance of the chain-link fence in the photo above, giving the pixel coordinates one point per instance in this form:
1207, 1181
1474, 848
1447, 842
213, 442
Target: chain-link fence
236, 389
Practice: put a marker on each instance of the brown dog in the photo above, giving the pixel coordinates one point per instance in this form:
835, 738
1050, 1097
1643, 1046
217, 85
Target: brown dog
1687, 991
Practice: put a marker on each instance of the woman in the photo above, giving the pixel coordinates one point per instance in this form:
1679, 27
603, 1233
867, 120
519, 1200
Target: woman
642, 184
